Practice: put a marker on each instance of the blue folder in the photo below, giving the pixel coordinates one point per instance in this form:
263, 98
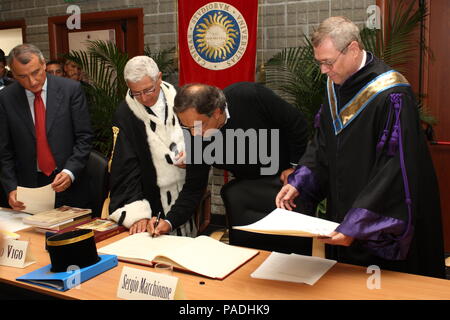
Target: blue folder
64, 281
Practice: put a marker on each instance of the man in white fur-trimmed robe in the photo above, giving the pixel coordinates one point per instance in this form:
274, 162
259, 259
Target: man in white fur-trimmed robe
146, 172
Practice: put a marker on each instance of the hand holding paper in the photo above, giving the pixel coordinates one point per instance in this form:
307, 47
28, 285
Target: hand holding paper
62, 182
14, 203
337, 239
36, 200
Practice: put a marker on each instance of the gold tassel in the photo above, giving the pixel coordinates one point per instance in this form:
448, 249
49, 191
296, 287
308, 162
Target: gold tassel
105, 209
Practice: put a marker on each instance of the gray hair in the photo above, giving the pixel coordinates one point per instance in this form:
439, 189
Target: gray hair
24, 53
139, 67
341, 30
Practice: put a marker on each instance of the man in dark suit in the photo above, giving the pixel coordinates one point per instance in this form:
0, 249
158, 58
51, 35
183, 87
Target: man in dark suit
257, 136
45, 131
4, 81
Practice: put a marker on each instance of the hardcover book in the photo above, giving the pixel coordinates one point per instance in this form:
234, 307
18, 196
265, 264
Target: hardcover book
64, 225
202, 255
103, 229
56, 216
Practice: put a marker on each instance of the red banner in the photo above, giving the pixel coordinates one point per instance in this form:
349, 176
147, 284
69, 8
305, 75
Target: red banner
217, 41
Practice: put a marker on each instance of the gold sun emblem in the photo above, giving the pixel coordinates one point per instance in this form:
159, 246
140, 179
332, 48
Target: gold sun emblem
216, 36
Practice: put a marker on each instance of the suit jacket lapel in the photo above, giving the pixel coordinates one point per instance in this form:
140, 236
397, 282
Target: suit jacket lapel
23, 109
54, 99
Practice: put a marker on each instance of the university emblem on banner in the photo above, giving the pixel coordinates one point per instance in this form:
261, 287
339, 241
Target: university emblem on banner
217, 36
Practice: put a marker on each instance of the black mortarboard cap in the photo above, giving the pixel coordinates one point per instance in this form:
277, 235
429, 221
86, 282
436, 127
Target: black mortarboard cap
73, 248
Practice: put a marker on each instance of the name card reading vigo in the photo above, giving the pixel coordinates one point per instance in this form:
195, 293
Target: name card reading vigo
137, 284
15, 253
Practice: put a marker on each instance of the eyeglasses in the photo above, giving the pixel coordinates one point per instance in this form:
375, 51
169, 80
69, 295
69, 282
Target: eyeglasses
329, 63
146, 92
197, 124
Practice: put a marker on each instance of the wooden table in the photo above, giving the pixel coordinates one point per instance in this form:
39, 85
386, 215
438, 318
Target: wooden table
342, 281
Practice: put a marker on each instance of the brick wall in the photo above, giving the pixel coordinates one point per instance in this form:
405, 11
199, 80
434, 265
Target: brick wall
282, 23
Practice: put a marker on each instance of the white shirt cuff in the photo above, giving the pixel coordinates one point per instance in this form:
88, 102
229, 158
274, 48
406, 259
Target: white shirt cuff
170, 224
72, 177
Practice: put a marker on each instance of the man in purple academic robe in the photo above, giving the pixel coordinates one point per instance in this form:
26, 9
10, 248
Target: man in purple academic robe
370, 160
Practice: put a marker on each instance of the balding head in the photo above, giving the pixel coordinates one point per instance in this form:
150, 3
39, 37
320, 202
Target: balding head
204, 98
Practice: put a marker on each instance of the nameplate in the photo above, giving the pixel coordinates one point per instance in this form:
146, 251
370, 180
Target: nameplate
137, 284
15, 253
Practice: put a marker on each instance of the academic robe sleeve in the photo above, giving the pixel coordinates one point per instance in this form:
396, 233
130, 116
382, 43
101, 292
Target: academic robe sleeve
382, 215
126, 186
311, 176
190, 196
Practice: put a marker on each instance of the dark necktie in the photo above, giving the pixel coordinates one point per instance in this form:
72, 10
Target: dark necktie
45, 159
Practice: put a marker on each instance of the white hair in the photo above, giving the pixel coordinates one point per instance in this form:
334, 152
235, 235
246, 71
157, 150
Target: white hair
139, 67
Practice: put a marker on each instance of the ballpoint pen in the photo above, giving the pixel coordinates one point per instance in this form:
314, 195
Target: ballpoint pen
156, 223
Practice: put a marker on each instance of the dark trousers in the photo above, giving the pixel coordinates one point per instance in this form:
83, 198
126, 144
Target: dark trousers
247, 201
3, 198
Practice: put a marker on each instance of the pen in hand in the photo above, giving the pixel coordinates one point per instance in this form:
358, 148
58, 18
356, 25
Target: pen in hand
156, 224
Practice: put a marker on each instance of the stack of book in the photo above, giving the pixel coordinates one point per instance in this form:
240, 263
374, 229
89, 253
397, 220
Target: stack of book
57, 219
103, 229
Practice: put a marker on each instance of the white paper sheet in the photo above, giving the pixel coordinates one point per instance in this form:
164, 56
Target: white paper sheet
12, 220
293, 268
285, 222
37, 199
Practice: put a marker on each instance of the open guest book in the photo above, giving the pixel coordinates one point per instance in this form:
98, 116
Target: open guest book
202, 255
290, 223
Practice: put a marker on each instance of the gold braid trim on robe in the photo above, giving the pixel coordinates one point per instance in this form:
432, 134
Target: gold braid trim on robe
105, 209
356, 105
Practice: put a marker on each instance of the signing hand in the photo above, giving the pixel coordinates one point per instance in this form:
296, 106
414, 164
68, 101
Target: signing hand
61, 182
285, 198
180, 160
162, 228
14, 204
338, 239
139, 226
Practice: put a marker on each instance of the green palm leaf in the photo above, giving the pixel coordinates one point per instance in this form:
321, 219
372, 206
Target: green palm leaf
103, 63
164, 59
295, 76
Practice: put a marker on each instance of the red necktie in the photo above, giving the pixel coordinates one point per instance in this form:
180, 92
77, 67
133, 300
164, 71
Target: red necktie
45, 159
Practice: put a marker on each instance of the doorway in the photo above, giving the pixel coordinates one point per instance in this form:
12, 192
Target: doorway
124, 27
